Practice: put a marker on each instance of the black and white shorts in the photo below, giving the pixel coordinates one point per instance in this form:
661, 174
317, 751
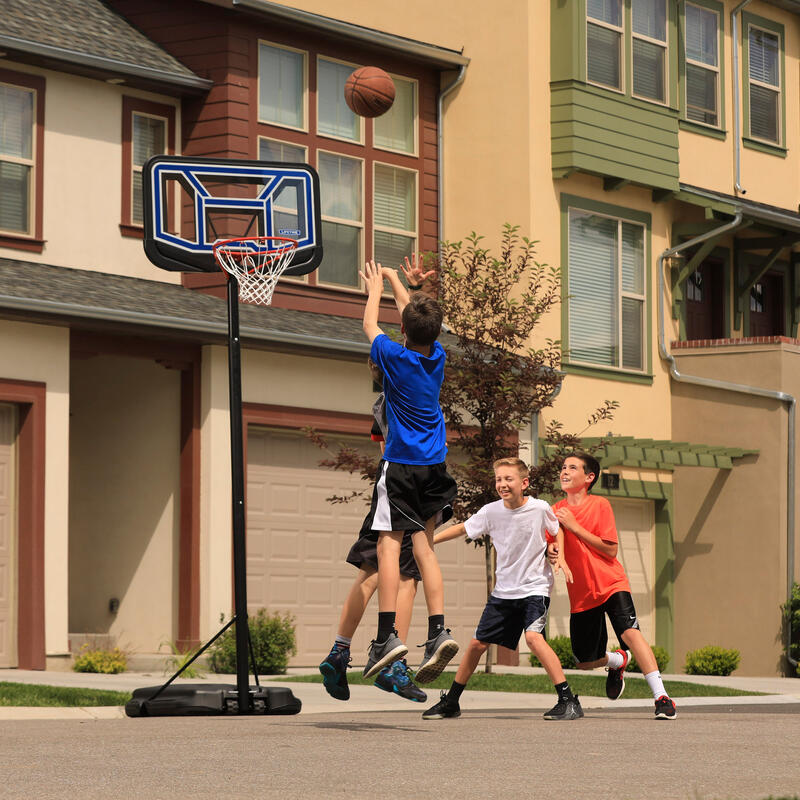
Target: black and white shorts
588, 632
504, 620
406, 496
364, 554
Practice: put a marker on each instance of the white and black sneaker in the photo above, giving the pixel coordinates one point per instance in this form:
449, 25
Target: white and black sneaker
438, 653
444, 709
615, 680
381, 654
565, 709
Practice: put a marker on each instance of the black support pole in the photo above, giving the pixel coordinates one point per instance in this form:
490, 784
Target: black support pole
237, 493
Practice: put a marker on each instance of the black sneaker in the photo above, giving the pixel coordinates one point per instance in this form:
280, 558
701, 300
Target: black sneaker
615, 682
565, 709
382, 654
396, 679
444, 709
438, 652
334, 673
665, 708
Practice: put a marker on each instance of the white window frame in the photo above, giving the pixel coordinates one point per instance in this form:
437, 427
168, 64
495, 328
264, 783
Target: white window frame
385, 228
137, 168
621, 293
415, 121
621, 39
349, 222
777, 89
664, 45
304, 101
26, 162
707, 67
361, 120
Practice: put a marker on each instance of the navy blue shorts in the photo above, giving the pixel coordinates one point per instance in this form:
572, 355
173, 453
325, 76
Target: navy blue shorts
587, 629
503, 621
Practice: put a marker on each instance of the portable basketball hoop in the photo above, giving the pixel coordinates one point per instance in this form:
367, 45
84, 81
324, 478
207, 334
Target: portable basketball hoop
256, 263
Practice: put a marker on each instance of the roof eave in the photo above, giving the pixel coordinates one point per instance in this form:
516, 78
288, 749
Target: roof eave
101, 68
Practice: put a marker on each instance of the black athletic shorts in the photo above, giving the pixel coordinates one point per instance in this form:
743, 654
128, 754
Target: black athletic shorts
587, 629
406, 496
364, 553
503, 620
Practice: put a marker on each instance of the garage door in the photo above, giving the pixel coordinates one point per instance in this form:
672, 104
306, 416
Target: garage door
8, 537
636, 552
297, 543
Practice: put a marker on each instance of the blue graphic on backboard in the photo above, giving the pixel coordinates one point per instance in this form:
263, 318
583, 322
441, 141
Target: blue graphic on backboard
190, 203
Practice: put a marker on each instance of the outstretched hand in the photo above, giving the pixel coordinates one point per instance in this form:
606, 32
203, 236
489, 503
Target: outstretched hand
413, 270
372, 276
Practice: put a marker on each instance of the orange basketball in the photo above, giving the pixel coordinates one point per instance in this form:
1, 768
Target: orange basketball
369, 92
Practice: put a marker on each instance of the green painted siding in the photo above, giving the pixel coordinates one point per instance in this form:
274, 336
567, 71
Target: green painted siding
610, 135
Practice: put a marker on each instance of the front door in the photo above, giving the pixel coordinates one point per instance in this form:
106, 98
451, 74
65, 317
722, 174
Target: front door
705, 294
766, 306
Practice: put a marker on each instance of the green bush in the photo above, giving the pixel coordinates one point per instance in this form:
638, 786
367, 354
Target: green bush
273, 641
711, 661
791, 622
105, 661
562, 647
660, 654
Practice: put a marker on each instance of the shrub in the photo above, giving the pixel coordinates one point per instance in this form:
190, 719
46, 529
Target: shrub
105, 661
661, 655
179, 659
711, 661
791, 621
273, 639
562, 647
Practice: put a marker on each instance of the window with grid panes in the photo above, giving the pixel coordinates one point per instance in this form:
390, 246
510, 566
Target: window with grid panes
149, 136
604, 38
281, 86
764, 84
649, 46
606, 303
17, 112
702, 65
341, 196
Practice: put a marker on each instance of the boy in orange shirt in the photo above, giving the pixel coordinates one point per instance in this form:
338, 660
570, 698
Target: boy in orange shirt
587, 545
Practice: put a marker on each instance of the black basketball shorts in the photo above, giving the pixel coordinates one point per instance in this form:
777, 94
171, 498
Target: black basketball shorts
364, 554
587, 629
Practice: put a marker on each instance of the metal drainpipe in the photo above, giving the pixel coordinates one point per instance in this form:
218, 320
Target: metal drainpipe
737, 138
462, 71
742, 389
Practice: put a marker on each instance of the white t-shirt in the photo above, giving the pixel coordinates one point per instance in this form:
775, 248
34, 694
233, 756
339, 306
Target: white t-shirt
518, 536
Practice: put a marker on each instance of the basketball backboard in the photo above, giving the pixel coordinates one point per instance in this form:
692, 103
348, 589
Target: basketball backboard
190, 203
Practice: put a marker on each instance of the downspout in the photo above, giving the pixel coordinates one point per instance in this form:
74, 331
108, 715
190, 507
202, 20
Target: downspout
462, 71
742, 389
737, 137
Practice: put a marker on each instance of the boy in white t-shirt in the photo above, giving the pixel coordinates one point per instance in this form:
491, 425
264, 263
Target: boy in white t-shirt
519, 601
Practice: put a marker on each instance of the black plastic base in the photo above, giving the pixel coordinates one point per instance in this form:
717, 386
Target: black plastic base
200, 700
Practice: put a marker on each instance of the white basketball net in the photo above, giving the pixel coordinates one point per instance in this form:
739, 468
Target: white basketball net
257, 263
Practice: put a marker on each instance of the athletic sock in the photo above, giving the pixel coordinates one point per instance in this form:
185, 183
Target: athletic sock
385, 625
615, 660
564, 692
656, 684
435, 624
454, 692
342, 642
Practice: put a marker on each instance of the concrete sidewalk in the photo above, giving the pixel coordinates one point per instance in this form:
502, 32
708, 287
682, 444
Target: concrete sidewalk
783, 691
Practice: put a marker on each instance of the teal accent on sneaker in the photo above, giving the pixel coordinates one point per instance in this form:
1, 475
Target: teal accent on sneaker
334, 673
396, 679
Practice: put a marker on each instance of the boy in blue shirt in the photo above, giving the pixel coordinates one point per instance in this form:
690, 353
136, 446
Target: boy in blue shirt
413, 491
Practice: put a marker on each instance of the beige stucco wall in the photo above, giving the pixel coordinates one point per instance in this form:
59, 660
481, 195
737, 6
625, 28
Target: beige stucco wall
124, 469
83, 178
730, 526
41, 353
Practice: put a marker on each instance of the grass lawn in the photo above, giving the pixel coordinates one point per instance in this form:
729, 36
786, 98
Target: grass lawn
29, 694
586, 685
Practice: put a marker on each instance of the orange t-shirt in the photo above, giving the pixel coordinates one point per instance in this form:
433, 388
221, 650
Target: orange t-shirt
595, 576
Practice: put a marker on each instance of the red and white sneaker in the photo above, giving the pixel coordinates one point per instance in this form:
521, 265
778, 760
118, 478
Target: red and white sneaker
665, 708
615, 682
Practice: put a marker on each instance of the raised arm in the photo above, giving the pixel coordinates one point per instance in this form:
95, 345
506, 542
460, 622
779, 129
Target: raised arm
401, 296
453, 532
373, 281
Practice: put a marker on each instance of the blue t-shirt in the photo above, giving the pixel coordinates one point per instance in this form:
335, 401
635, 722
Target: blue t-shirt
411, 383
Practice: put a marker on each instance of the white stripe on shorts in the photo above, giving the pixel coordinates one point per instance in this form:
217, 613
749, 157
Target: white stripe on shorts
382, 519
